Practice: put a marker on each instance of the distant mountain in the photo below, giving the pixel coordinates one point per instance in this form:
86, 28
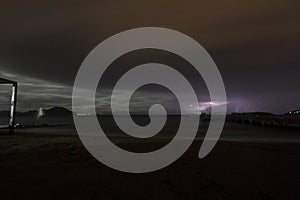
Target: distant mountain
52, 112
4, 113
53, 116
57, 111
31, 113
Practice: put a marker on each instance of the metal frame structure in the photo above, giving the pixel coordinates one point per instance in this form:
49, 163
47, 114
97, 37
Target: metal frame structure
13, 102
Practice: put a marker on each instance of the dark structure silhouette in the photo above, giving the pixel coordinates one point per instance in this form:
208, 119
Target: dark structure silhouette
13, 103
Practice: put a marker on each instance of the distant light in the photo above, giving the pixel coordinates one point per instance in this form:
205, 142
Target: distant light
83, 114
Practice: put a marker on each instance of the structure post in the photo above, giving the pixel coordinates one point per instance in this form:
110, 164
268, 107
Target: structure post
13, 105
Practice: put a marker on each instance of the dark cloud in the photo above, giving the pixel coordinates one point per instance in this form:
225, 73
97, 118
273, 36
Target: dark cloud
255, 44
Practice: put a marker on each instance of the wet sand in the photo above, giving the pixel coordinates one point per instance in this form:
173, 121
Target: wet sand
59, 167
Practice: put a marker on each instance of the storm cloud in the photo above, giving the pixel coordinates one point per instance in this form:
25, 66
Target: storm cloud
255, 44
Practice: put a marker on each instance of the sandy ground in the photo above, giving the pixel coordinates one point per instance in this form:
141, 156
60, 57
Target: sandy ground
49, 167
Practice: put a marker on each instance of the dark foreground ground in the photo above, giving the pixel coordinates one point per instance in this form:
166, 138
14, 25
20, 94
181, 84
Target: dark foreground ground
49, 167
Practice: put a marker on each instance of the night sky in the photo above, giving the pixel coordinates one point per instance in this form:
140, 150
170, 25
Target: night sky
255, 44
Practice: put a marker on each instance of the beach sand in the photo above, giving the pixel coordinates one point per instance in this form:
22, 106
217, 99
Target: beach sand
59, 167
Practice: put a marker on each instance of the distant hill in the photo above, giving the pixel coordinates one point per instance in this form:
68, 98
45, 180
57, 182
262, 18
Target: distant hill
52, 112
57, 111
4, 114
